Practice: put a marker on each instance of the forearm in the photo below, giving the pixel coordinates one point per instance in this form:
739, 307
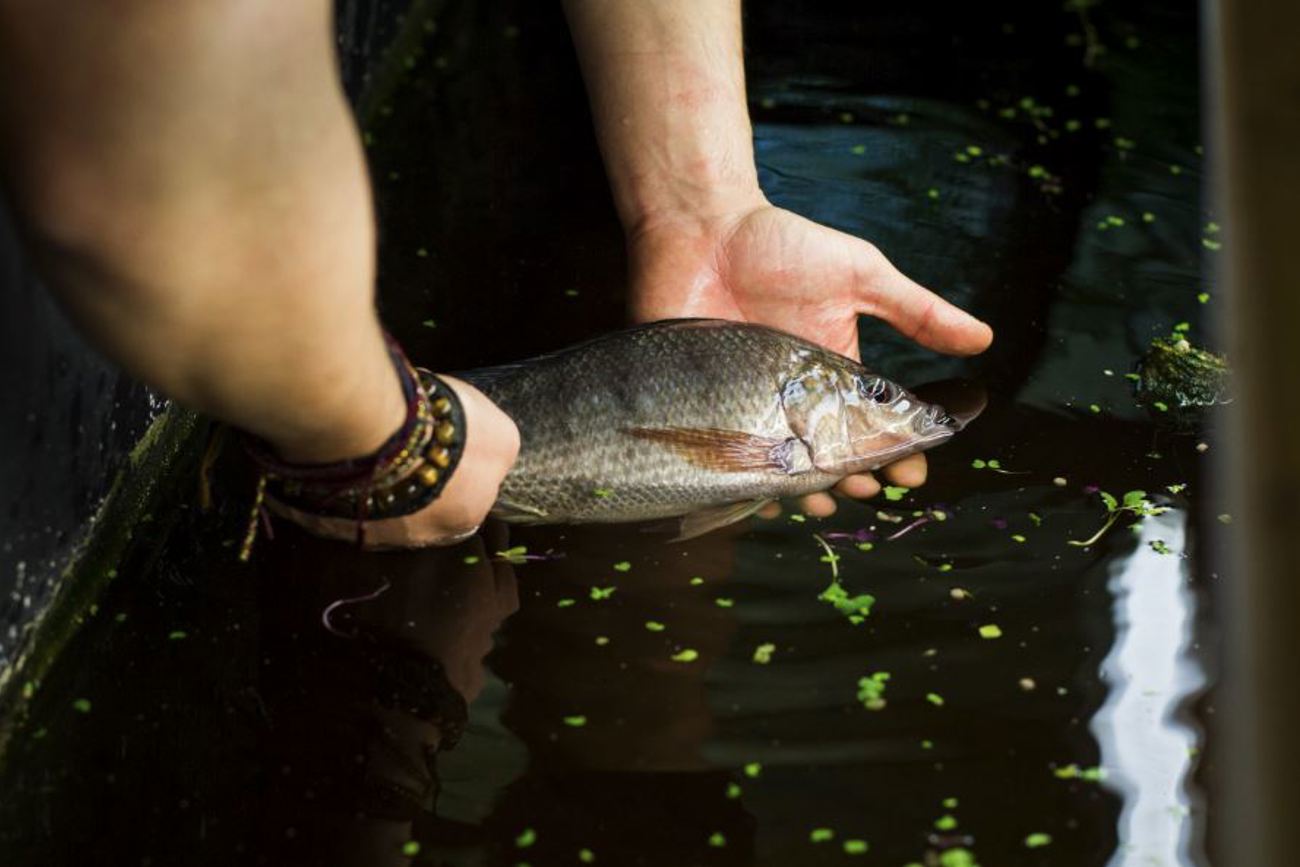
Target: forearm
198, 198
667, 87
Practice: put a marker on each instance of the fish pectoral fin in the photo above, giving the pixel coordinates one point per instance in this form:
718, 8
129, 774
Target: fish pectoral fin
707, 520
728, 451
514, 512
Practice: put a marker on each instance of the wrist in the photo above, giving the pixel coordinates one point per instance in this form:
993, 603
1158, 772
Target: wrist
346, 417
703, 194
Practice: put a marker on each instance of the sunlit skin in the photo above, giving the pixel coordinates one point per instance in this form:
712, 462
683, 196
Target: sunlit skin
666, 81
195, 192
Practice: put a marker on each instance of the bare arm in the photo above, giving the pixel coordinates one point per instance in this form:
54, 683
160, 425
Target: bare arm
667, 88
196, 192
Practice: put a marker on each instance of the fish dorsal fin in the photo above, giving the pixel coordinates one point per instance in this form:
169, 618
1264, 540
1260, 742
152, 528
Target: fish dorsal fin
710, 519
730, 451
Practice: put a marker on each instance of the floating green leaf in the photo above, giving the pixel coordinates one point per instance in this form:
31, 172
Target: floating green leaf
871, 690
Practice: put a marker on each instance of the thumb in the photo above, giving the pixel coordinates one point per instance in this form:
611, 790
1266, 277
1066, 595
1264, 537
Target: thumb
914, 311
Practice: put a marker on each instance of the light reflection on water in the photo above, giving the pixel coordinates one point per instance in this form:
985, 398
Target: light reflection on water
1147, 744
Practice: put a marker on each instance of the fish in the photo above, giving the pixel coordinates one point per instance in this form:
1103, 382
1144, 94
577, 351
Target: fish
700, 420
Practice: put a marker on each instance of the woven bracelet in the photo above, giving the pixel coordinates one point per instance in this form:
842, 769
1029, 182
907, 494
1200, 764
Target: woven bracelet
405, 474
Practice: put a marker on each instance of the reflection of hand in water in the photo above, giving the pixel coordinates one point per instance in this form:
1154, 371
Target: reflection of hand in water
633, 782
442, 605
644, 710
358, 712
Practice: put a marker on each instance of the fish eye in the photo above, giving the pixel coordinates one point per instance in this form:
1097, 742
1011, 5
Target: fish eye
878, 390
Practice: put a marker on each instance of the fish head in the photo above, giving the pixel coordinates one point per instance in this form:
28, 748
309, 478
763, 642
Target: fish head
853, 420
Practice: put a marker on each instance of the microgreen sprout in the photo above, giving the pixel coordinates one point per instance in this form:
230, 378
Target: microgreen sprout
763, 653
855, 608
1134, 503
515, 555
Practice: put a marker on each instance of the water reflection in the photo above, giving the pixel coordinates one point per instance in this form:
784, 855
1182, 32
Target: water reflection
1147, 742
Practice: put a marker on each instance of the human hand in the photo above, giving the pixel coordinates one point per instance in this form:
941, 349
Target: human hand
491, 445
758, 263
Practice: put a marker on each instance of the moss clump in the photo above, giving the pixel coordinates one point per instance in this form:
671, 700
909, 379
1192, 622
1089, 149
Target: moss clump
1178, 382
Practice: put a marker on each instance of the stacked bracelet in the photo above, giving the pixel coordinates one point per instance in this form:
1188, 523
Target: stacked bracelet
405, 474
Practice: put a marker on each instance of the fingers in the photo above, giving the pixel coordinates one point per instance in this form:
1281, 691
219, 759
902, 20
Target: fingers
860, 487
915, 311
909, 472
818, 505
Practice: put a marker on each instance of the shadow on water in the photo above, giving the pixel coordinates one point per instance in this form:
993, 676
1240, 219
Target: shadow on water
593, 695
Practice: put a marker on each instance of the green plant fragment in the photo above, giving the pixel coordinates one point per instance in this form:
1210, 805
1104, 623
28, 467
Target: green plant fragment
855, 608
945, 823
687, 655
990, 630
871, 690
526, 838
763, 653
622, 566
81, 705
599, 594
855, 847
934, 698
821, 835
411, 848
576, 721
894, 493
753, 770
957, 858
717, 840
655, 626
516, 555
1038, 840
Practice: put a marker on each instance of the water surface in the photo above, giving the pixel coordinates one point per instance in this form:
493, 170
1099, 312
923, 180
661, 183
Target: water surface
604, 697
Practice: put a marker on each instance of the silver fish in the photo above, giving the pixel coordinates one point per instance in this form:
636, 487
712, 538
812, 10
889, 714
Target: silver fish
702, 419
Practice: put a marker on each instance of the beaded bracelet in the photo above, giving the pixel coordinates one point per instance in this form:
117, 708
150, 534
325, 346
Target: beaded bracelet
405, 474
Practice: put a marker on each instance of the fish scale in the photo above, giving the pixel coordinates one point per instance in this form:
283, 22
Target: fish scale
609, 428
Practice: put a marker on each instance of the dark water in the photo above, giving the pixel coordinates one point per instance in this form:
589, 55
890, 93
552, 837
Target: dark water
472, 710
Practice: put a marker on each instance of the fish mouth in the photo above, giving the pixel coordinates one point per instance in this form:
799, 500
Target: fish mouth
956, 403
